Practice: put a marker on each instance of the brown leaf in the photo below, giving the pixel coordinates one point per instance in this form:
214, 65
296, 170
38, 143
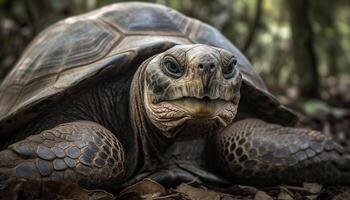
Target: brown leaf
248, 189
21, 190
284, 196
145, 187
260, 195
311, 197
240, 190
342, 196
28, 190
200, 193
64, 190
100, 195
313, 188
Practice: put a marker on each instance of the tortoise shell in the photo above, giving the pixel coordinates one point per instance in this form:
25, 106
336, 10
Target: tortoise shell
112, 40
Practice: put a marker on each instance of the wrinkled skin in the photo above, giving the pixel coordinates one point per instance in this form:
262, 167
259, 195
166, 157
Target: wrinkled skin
199, 93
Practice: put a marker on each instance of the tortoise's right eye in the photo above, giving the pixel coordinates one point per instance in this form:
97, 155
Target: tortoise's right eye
230, 70
171, 67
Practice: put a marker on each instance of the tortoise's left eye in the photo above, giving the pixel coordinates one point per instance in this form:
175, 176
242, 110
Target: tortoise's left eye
171, 67
230, 70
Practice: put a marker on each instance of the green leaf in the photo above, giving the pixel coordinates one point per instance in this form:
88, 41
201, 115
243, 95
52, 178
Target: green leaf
315, 107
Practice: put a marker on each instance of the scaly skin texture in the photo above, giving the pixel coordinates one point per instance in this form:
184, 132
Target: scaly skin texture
82, 151
253, 151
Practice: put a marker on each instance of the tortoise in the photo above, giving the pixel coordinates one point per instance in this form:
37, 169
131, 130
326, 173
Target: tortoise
138, 90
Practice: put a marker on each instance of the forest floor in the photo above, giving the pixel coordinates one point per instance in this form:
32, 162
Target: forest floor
331, 116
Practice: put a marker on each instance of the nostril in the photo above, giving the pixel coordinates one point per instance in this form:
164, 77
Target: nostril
200, 66
212, 66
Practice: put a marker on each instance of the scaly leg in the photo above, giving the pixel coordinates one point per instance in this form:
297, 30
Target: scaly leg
82, 152
252, 151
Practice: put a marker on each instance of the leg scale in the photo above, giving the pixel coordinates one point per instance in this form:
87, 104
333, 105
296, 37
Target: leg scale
83, 152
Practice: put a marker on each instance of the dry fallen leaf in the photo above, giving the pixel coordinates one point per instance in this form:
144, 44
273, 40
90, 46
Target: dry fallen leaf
284, 196
260, 195
146, 188
100, 195
237, 190
47, 190
311, 197
313, 188
200, 193
342, 196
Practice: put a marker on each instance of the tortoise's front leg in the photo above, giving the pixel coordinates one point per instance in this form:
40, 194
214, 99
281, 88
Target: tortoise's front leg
82, 152
255, 152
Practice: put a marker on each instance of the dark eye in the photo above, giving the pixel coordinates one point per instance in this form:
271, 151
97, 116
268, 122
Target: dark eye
171, 67
230, 70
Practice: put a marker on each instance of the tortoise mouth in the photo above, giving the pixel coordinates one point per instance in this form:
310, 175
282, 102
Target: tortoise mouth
200, 108
171, 115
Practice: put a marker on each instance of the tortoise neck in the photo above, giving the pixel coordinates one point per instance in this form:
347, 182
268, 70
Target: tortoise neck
150, 139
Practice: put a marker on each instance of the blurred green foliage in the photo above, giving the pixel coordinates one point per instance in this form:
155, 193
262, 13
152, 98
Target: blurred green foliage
260, 28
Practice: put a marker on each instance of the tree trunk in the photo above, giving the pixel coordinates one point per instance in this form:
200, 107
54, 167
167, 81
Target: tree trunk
254, 26
303, 50
324, 12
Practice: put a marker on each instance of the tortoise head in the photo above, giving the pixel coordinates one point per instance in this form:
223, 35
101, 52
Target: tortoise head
193, 85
